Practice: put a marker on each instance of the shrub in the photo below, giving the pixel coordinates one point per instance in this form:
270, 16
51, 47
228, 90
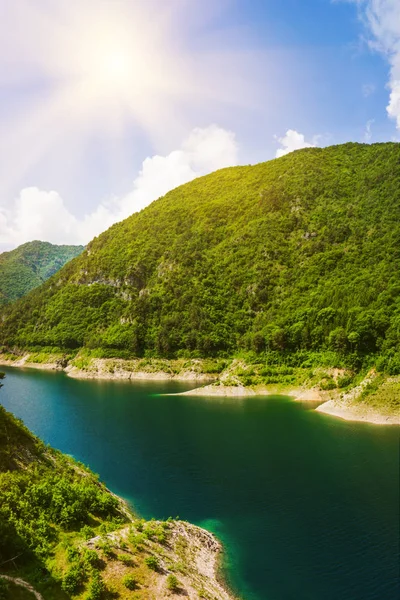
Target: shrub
72, 554
87, 532
328, 384
161, 537
393, 365
172, 583
137, 540
129, 582
151, 562
139, 524
381, 364
72, 580
91, 558
126, 559
97, 587
179, 567
107, 550
344, 381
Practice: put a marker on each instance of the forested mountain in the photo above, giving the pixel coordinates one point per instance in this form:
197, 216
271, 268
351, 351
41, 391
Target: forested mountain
30, 265
297, 255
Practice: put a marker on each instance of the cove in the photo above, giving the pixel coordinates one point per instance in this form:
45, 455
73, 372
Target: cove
306, 505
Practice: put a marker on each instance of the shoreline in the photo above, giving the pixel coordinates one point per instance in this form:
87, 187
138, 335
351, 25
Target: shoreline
100, 369
198, 548
204, 552
344, 408
325, 404
360, 413
229, 391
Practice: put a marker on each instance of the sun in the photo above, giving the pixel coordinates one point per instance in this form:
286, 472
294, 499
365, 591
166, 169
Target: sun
114, 65
107, 70
110, 66
117, 66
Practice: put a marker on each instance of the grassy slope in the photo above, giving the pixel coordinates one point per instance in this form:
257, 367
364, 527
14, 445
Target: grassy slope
68, 535
295, 261
29, 265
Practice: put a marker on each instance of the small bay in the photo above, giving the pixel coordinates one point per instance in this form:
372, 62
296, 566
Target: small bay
306, 505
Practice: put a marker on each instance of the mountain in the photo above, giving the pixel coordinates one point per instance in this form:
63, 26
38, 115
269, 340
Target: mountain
29, 265
289, 258
66, 535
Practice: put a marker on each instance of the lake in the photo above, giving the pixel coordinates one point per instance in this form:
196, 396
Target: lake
306, 505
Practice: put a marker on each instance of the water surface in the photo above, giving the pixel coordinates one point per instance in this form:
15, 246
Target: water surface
307, 505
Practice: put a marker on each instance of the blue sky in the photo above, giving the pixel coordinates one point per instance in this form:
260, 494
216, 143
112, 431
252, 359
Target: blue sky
107, 105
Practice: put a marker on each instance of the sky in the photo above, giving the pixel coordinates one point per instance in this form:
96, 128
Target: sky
105, 105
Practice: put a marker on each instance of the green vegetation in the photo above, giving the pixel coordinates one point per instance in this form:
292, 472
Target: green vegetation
29, 265
96, 587
129, 582
46, 500
126, 559
172, 583
382, 391
151, 562
66, 535
291, 264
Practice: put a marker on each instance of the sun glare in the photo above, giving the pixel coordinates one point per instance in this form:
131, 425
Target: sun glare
109, 67
116, 66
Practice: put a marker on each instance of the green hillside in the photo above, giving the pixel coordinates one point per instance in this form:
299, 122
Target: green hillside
29, 265
46, 499
285, 259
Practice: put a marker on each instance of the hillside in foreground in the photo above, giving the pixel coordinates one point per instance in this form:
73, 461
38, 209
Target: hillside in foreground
293, 261
66, 535
29, 265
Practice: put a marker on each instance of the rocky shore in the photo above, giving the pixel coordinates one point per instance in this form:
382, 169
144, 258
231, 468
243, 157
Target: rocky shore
345, 406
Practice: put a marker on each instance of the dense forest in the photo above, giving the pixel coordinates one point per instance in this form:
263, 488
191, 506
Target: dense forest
292, 257
29, 265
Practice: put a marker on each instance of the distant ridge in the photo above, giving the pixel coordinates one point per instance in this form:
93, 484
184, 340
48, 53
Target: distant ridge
29, 265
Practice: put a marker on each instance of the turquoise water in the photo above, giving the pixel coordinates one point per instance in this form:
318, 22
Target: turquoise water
306, 505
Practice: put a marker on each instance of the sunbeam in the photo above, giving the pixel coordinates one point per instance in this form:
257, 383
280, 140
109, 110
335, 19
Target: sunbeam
104, 67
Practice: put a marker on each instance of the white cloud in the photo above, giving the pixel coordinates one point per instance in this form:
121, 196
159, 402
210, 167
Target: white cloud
204, 151
382, 18
367, 131
293, 140
38, 214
